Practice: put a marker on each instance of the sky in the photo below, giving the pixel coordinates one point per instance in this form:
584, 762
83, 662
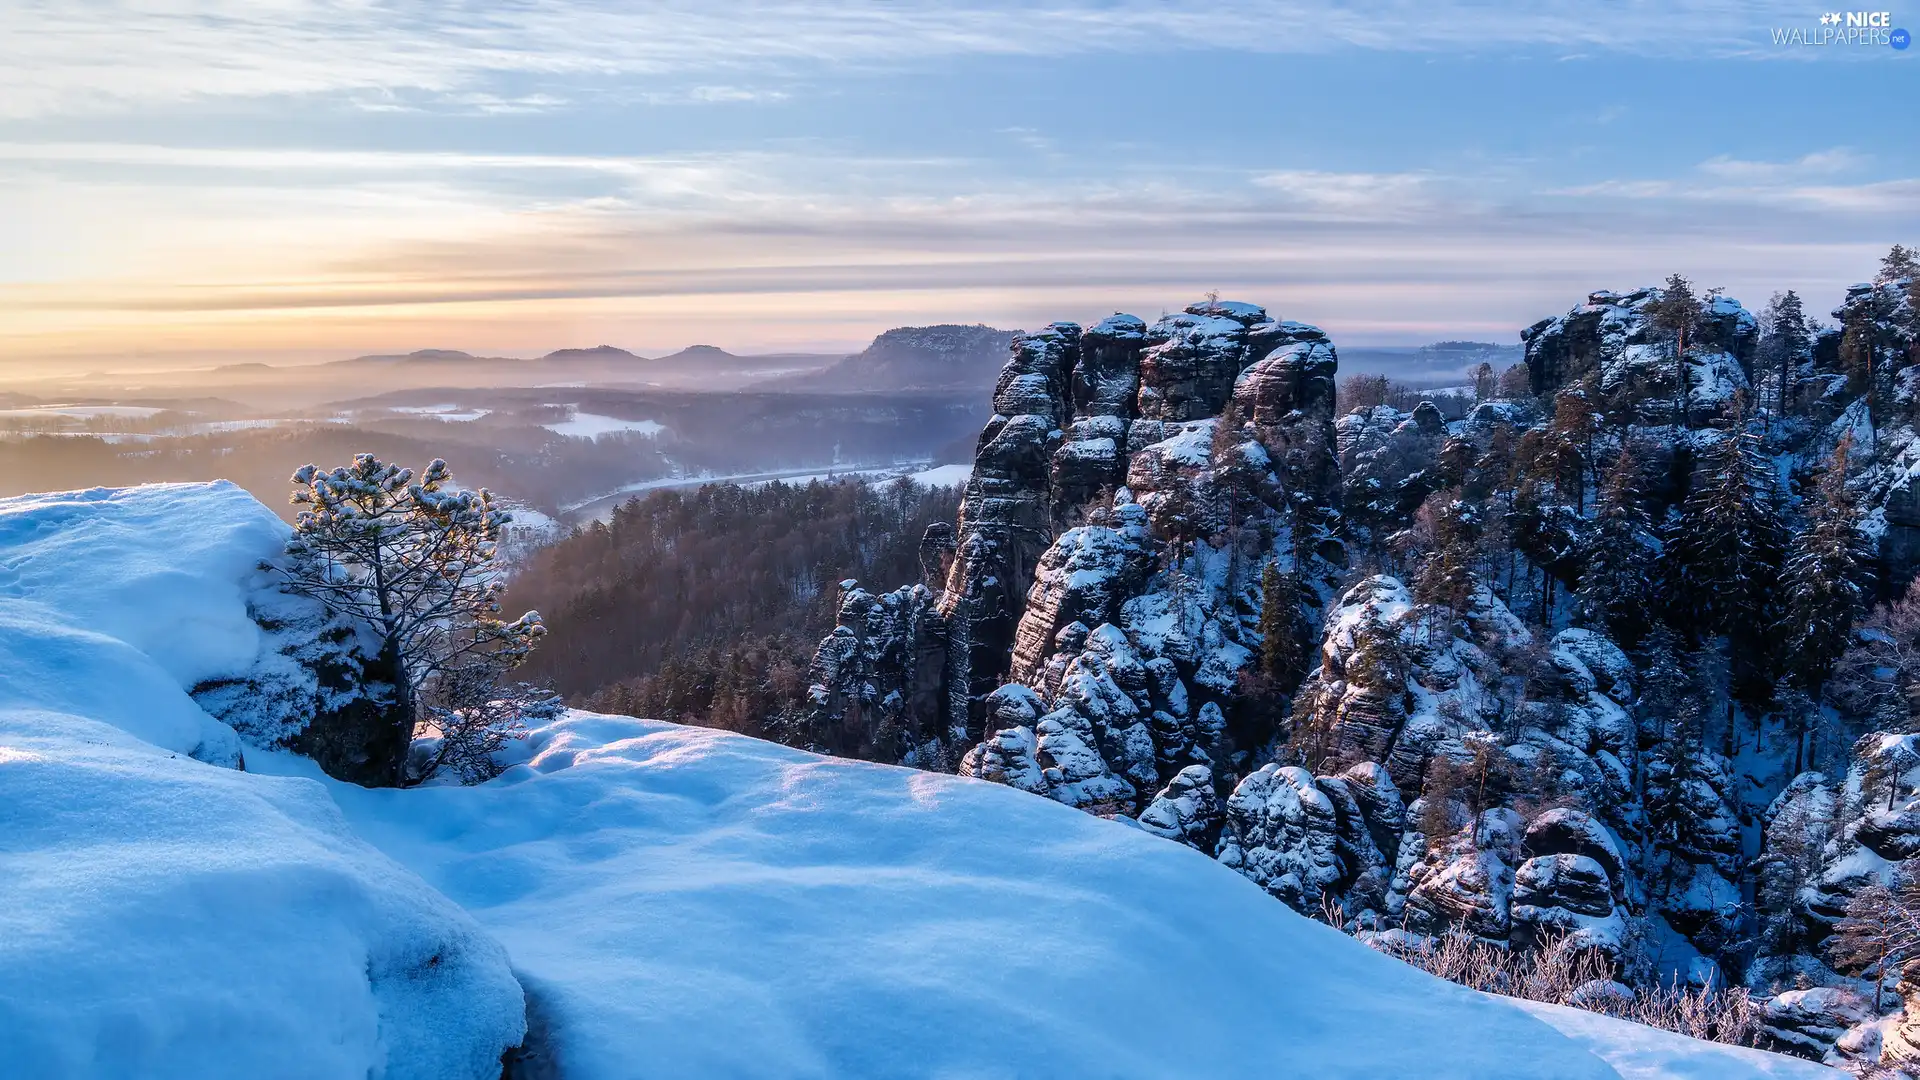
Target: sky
287, 180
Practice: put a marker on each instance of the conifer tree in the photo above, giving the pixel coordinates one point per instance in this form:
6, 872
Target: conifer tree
1447, 577
1726, 553
1711, 697
1439, 790
1799, 715
1823, 585
1572, 429
1675, 315
1664, 685
1616, 565
1787, 339
1676, 824
1284, 633
1901, 263
413, 559
1484, 383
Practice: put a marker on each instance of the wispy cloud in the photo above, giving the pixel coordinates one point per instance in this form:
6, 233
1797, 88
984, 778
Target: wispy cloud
67, 55
378, 249
1807, 182
1380, 196
1839, 159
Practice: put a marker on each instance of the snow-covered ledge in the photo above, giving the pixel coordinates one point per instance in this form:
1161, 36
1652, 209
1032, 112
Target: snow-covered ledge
680, 902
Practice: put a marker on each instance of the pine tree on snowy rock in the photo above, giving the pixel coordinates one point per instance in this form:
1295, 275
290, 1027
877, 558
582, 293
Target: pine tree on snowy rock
1447, 578
1675, 315
1823, 586
1617, 562
1901, 263
1575, 422
1676, 817
1727, 552
1786, 342
1285, 649
1664, 688
413, 560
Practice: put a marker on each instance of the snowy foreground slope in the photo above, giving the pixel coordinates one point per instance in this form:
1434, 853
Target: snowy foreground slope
676, 902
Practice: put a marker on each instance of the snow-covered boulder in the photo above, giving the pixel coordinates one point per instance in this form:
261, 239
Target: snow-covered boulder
1810, 1022
1186, 810
163, 913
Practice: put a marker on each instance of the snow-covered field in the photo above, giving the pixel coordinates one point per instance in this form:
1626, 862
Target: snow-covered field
82, 412
592, 425
449, 412
943, 476
675, 901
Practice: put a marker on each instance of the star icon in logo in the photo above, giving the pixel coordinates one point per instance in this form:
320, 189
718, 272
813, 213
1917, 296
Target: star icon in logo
1826, 20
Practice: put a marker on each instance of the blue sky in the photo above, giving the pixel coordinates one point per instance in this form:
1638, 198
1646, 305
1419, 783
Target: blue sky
299, 180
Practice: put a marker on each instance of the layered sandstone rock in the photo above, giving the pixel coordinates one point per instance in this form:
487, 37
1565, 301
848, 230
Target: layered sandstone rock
1134, 482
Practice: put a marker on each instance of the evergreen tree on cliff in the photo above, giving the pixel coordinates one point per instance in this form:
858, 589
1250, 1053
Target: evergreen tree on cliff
1787, 340
1664, 687
1446, 578
1575, 421
1901, 263
1284, 634
1615, 593
1675, 315
1823, 587
1726, 554
414, 560
1676, 823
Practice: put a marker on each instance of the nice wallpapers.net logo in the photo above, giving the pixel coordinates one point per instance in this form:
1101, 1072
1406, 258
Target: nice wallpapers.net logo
1868, 28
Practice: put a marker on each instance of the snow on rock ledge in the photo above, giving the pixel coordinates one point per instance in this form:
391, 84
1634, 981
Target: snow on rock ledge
679, 902
713, 905
162, 916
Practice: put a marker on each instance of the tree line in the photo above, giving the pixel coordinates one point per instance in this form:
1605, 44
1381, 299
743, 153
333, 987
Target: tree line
706, 606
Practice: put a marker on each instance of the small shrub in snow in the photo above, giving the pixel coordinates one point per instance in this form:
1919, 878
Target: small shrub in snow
415, 560
471, 720
1562, 972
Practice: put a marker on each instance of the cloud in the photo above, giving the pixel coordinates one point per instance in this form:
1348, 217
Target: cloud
1807, 182
772, 243
92, 55
1372, 195
1819, 163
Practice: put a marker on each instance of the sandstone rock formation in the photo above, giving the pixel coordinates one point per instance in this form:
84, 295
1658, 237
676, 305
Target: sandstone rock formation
1132, 485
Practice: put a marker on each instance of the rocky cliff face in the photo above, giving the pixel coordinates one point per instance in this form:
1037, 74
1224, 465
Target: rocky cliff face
1613, 339
1825, 845
1100, 604
1477, 757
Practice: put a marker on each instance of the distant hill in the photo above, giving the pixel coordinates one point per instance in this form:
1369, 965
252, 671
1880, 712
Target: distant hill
599, 354
944, 357
1427, 365
703, 353
430, 356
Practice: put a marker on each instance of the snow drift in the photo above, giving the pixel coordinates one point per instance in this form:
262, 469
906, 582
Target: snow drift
677, 902
162, 916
